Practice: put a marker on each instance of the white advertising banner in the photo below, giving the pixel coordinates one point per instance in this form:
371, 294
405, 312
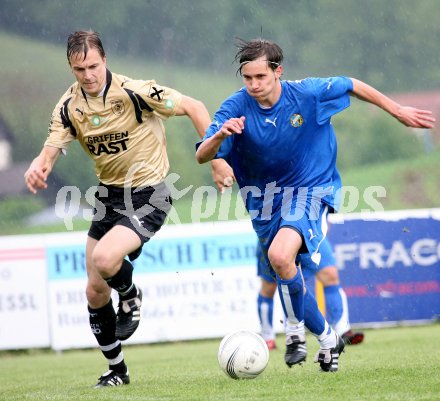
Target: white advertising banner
23, 293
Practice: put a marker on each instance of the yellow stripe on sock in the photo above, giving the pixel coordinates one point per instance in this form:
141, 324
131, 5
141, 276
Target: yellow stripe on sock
319, 295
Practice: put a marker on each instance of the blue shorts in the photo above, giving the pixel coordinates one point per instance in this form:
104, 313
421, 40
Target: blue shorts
310, 224
308, 267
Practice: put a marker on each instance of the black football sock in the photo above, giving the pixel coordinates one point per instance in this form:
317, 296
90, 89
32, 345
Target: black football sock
122, 281
103, 325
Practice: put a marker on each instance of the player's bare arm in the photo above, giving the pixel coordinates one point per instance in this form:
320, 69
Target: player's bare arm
40, 168
197, 112
209, 148
199, 115
409, 116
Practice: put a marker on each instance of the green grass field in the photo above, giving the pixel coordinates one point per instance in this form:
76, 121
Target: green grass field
393, 364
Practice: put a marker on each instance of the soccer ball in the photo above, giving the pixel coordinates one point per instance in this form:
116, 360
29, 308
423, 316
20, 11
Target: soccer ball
243, 354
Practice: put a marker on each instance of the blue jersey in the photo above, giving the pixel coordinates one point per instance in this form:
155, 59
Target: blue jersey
289, 145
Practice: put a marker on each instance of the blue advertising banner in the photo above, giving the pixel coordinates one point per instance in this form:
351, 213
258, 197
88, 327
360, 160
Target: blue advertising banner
174, 254
206, 251
66, 262
389, 269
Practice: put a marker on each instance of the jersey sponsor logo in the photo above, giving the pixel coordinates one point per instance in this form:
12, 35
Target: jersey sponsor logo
156, 93
117, 107
296, 120
273, 122
108, 143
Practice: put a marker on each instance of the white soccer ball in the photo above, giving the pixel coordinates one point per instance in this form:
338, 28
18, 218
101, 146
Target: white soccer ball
243, 354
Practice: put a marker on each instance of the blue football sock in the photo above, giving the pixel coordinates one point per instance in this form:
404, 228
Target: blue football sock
265, 313
313, 318
337, 308
292, 297
333, 303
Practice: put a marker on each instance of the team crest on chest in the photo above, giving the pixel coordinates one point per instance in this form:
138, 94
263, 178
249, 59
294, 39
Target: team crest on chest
296, 120
117, 107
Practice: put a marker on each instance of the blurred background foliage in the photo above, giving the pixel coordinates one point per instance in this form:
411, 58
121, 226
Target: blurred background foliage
189, 45
387, 42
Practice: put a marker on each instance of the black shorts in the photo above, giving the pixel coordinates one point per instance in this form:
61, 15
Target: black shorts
143, 210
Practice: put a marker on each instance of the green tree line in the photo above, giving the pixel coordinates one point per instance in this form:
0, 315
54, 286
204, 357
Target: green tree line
391, 43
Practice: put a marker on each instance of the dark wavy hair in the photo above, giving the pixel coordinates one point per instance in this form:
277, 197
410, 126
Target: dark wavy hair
80, 42
251, 50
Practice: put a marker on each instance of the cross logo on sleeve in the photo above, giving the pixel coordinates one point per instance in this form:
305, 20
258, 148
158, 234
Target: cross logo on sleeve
156, 92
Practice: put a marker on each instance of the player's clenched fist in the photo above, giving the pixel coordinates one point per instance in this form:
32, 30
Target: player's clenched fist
232, 126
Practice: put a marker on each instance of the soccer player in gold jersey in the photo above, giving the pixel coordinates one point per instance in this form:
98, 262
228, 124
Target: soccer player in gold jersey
119, 124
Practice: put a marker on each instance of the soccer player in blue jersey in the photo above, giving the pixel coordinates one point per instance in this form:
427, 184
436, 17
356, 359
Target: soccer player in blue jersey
326, 272
278, 138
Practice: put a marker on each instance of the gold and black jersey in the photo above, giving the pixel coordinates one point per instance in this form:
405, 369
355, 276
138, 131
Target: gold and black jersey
122, 130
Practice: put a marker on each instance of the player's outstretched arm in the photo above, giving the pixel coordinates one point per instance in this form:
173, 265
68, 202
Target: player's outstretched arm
40, 168
197, 112
221, 171
209, 147
409, 116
